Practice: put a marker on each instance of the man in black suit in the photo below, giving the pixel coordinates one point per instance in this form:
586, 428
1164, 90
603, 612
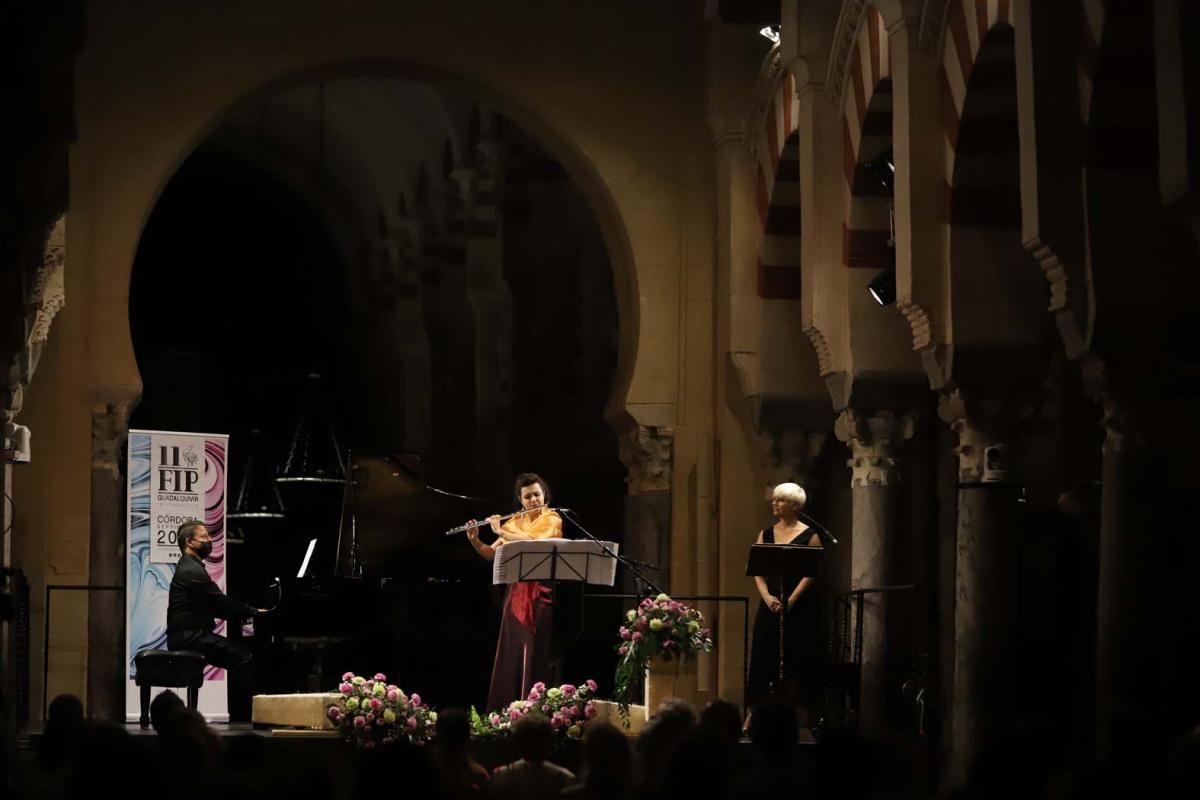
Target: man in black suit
195, 599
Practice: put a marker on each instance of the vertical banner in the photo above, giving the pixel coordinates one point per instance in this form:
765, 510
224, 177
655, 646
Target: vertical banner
173, 477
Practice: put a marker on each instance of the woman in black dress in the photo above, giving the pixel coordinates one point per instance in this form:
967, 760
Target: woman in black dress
801, 603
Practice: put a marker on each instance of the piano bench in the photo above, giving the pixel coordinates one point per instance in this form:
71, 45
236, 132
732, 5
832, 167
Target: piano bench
173, 668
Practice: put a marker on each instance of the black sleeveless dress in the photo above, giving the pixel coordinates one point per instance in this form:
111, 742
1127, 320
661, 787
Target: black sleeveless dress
799, 633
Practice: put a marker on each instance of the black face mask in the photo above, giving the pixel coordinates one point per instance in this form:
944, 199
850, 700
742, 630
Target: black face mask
204, 550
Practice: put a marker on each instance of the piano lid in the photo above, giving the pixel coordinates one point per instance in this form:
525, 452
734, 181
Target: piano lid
396, 520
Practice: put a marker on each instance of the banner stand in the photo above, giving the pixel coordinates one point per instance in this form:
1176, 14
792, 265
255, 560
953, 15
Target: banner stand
173, 477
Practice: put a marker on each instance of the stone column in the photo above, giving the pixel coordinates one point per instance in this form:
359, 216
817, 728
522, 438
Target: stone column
646, 452
984, 569
1128, 714
877, 521
106, 567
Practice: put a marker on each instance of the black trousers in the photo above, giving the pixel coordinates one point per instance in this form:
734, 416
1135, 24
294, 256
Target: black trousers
232, 656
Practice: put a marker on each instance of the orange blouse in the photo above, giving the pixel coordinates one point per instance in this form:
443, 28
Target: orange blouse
546, 525
523, 596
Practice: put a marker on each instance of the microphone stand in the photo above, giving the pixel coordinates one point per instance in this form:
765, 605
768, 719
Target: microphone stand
821, 529
619, 559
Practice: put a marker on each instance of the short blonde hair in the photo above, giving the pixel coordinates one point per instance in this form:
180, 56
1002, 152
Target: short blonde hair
792, 493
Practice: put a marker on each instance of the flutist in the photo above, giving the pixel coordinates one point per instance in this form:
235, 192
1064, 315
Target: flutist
523, 654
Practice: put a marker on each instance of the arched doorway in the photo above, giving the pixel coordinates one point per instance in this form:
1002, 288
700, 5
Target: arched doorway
451, 285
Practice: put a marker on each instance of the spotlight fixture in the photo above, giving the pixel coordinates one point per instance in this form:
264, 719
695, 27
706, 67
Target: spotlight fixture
883, 287
883, 168
770, 32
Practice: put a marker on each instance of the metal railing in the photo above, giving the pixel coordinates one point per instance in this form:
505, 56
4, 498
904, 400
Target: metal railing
702, 598
63, 587
15, 616
845, 647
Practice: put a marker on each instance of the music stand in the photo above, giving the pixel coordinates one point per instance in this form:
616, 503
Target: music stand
780, 565
556, 560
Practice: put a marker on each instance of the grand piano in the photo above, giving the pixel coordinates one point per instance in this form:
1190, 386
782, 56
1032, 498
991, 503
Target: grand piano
369, 583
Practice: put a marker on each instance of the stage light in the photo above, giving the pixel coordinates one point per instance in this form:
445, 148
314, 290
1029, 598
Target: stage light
883, 167
770, 32
16, 443
883, 287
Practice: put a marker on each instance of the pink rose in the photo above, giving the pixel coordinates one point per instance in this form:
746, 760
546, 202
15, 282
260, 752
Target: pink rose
346, 688
415, 699
359, 722
494, 719
370, 717
412, 723
592, 685
589, 711
346, 676
335, 713
376, 704
568, 689
514, 714
539, 687
534, 696
393, 695
556, 722
545, 709
637, 636
379, 676
624, 632
623, 649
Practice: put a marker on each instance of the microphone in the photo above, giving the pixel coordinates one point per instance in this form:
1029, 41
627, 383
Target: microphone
820, 528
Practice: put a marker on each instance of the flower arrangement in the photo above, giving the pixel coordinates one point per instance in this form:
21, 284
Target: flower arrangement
373, 712
658, 627
568, 707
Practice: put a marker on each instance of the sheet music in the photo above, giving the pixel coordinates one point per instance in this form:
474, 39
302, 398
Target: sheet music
578, 559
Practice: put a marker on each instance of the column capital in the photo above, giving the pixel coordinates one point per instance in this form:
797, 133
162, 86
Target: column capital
110, 428
978, 421
874, 439
1119, 432
647, 451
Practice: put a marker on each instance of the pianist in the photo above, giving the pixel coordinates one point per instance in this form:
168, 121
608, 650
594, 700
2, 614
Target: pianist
194, 601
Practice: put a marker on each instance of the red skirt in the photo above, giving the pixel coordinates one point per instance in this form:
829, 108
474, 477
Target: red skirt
523, 655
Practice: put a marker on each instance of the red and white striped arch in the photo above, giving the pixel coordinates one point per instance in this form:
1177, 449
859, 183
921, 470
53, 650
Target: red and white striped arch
865, 230
870, 62
778, 195
782, 120
967, 23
